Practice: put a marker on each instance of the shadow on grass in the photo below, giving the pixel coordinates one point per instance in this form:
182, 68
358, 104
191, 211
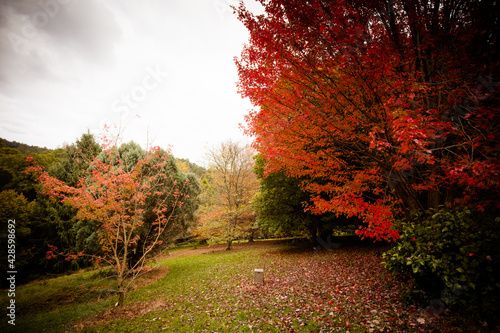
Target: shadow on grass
332, 244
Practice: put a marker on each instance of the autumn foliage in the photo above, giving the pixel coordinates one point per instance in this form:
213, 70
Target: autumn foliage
383, 108
120, 195
227, 213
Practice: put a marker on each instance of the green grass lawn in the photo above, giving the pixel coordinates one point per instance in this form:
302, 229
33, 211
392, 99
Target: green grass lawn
212, 290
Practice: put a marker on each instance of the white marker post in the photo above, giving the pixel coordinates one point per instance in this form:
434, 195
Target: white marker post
258, 275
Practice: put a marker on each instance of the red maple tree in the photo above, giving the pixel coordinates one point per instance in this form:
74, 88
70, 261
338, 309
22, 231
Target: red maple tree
384, 107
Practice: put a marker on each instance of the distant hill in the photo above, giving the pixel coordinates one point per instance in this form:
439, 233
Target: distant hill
186, 166
23, 148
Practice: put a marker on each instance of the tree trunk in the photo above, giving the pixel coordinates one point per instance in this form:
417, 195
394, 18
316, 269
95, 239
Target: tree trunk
229, 242
313, 233
122, 273
433, 199
136, 256
407, 195
121, 291
121, 298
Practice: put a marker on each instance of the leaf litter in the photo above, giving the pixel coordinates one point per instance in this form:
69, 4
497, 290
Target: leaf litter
346, 290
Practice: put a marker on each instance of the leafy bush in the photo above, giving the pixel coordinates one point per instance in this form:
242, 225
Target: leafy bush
451, 259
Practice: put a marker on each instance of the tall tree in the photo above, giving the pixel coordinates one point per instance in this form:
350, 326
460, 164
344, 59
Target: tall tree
280, 207
47, 222
228, 213
18, 251
384, 107
181, 217
70, 163
12, 175
114, 192
280, 204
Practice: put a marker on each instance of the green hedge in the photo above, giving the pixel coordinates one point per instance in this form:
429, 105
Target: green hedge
451, 260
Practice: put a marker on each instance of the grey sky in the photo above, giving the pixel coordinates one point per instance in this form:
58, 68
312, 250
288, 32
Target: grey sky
161, 69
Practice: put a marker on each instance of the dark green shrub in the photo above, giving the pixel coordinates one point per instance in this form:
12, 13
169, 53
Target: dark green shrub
451, 259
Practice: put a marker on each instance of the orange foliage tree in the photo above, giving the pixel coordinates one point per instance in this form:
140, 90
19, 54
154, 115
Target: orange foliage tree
385, 107
227, 213
116, 197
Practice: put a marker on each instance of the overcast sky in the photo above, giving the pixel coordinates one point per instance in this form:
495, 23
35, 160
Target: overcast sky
162, 69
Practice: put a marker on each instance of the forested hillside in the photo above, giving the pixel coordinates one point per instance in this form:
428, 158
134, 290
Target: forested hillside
23, 148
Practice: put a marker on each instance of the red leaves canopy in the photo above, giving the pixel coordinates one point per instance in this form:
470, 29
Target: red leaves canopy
381, 106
